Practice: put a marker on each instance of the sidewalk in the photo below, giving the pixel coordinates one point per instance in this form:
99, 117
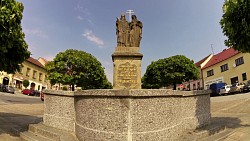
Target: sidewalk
15, 118
241, 134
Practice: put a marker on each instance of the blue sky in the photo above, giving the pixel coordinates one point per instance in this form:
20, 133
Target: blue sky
170, 27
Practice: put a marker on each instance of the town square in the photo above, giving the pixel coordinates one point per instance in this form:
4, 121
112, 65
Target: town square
120, 71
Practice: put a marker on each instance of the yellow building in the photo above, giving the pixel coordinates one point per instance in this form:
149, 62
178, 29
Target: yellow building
228, 66
32, 70
5, 78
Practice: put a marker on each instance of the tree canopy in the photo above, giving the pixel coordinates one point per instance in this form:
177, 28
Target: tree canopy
235, 24
74, 67
13, 48
169, 71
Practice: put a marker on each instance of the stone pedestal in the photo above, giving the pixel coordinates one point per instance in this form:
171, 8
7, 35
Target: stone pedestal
127, 68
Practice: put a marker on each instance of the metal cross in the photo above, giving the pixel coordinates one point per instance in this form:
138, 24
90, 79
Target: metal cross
130, 12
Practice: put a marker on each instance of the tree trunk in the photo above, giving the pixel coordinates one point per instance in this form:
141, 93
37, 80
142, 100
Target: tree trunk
174, 88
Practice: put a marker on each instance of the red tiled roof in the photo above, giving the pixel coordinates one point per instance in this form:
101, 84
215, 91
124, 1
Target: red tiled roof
225, 54
198, 64
35, 62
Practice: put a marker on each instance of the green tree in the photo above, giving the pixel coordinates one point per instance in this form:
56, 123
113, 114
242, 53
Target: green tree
74, 67
235, 24
169, 71
26, 83
13, 48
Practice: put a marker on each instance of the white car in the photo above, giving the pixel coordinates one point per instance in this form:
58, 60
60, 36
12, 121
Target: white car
225, 89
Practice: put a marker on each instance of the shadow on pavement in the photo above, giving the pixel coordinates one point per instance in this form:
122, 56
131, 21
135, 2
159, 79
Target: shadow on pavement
221, 123
13, 124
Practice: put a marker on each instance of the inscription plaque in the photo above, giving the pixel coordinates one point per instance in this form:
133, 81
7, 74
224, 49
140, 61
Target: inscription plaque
127, 74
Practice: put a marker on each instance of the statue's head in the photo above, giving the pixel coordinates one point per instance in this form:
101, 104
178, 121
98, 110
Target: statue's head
123, 16
134, 17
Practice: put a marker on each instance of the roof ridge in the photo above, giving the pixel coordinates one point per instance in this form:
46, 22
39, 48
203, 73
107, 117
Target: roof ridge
35, 62
224, 55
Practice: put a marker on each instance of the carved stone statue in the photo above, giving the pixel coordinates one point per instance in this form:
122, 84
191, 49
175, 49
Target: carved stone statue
122, 31
135, 32
128, 34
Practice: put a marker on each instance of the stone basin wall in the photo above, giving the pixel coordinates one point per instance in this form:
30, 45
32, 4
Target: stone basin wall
127, 115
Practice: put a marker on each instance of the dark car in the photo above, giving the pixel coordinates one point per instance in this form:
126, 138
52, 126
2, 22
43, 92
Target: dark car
32, 92
246, 87
10, 89
37, 93
2, 88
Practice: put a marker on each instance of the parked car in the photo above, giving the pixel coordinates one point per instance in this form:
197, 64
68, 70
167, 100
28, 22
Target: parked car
246, 87
29, 92
236, 88
215, 88
32, 92
10, 89
224, 90
2, 88
37, 93
26, 91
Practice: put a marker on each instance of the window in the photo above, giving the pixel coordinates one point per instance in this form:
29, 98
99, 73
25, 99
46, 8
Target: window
21, 69
224, 67
34, 74
28, 72
244, 76
45, 78
210, 73
239, 61
40, 76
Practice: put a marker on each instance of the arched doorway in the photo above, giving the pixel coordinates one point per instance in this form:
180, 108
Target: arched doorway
32, 85
6, 81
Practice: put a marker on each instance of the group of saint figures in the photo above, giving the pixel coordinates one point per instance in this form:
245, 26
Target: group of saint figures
129, 34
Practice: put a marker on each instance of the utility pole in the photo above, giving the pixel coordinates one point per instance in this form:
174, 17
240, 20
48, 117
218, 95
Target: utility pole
212, 49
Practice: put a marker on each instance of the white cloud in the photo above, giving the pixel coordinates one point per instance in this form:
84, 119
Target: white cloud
83, 14
91, 37
80, 18
36, 32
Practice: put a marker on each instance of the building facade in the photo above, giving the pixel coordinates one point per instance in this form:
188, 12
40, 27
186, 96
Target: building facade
32, 70
228, 66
